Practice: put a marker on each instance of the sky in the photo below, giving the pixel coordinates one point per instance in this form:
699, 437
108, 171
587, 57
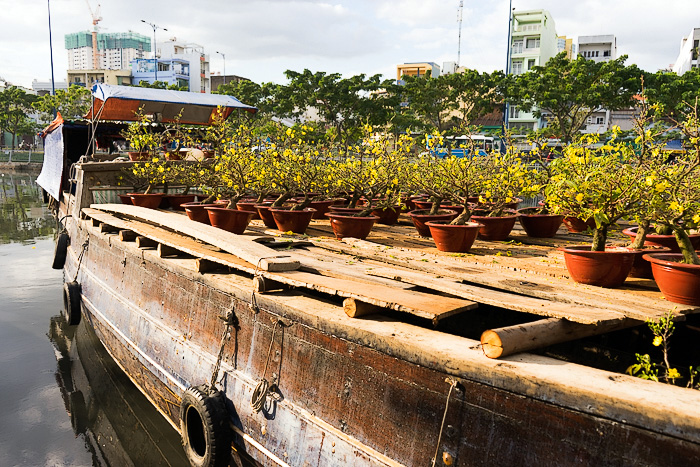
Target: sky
263, 38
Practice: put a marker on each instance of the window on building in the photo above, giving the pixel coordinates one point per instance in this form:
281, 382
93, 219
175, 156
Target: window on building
533, 43
530, 63
606, 53
597, 52
513, 112
517, 68
599, 120
517, 47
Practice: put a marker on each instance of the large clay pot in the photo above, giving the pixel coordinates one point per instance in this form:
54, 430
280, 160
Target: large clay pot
125, 199
666, 241
151, 200
231, 220
175, 201
248, 206
495, 228
679, 282
641, 268
387, 216
345, 209
539, 225
421, 216
422, 204
347, 225
197, 211
295, 221
607, 268
139, 156
453, 238
266, 215
321, 207
576, 225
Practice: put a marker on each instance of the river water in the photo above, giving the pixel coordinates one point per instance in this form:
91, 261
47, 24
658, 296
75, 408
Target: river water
65, 401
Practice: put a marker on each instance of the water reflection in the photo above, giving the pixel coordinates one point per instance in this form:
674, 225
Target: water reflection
23, 215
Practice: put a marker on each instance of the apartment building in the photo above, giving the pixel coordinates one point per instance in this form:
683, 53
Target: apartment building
688, 55
533, 42
601, 48
417, 69
199, 73
115, 51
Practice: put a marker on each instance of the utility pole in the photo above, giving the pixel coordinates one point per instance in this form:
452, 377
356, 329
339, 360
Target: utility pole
510, 29
224, 57
155, 56
459, 41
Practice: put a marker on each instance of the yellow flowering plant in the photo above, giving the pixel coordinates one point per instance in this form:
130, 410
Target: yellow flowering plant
149, 173
234, 168
143, 135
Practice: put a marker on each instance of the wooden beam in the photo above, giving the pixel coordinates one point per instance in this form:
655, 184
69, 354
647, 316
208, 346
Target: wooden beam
145, 242
264, 284
356, 308
204, 266
509, 340
127, 235
106, 228
165, 250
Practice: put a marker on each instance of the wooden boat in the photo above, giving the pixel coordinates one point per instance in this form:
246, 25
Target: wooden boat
315, 351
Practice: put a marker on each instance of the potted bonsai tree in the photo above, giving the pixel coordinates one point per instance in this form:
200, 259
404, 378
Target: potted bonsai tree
603, 184
142, 138
149, 173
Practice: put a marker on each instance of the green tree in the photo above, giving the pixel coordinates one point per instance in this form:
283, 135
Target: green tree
72, 103
675, 95
15, 107
427, 101
567, 91
161, 85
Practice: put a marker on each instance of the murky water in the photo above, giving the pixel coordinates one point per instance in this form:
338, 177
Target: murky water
65, 401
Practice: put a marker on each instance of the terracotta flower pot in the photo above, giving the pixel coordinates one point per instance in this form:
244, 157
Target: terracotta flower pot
347, 225
576, 225
666, 241
139, 156
453, 238
641, 268
387, 216
173, 156
231, 220
126, 199
345, 209
221, 202
679, 282
295, 221
197, 211
321, 207
265, 214
495, 228
248, 206
539, 225
151, 200
607, 268
421, 216
174, 201
422, 204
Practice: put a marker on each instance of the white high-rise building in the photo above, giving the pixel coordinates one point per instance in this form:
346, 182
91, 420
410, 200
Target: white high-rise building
600, 48
115, 51
688, 55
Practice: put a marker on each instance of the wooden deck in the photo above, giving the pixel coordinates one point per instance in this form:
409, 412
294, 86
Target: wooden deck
396, 269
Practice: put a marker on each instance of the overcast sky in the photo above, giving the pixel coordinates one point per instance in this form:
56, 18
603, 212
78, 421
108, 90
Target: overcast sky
263, 38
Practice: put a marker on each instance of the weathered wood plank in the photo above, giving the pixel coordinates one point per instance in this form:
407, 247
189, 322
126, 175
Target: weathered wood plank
243, 246
510, 340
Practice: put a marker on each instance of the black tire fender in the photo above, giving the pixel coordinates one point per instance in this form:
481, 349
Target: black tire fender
204, 427
71, 302
61, 250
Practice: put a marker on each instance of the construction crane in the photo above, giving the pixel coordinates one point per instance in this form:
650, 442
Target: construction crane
459, 21
96, 18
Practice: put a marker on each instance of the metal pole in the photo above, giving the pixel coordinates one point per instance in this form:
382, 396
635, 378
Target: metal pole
508, 51
155, 56
53, 85
224, 57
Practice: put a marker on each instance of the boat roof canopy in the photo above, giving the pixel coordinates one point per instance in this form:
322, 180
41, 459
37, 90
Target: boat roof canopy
122, 103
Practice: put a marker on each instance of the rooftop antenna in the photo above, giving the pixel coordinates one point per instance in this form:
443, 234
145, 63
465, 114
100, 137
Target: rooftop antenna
459, 21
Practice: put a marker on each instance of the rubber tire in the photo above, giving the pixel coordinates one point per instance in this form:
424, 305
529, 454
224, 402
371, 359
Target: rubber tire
204, 427
71, 302
61, 250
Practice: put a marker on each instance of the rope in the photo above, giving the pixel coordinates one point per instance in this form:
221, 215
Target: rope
230, 321
257, 401
258, 273
453, 384
80, 257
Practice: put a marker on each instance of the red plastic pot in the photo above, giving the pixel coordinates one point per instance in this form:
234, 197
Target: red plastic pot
175, 201
151, 200
495, 228
539, 225
321, 207
641, 268
453, 238
248, 206
266, 215
139, 156
679, 282
125, 199
388, 216
231, 220
576, 225
295, 221
421, 216
345, 209
197, 211
347, 225
607, 268
666, 241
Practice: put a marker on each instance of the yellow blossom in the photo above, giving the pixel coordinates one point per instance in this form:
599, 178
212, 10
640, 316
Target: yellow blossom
657, 341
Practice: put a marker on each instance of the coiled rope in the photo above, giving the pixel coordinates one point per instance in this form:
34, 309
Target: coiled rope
231, 320
259, 397
80, 257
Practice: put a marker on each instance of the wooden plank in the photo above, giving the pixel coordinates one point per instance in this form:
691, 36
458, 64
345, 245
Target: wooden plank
243, 246
380, 294
510, 340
